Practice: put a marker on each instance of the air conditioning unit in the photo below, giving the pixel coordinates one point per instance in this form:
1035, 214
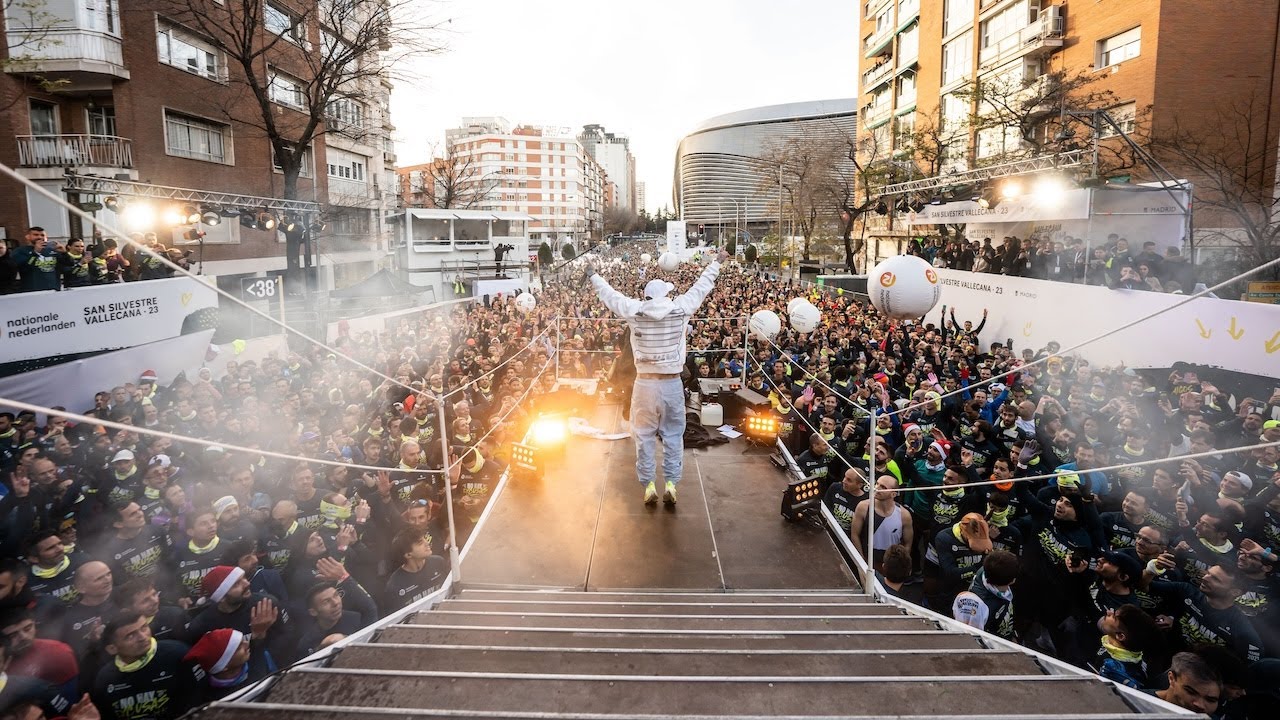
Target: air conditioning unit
1054, 21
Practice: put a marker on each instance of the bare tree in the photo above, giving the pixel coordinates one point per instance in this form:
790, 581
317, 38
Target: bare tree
1230, 159
300, 67
801, 169
453, 180
621, 220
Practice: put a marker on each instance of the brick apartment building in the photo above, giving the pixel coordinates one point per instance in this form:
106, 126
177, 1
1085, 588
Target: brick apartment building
1167, 58
116, 100
545, 173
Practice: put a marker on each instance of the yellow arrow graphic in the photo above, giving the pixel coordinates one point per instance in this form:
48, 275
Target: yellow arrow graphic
1204, 332
1026, 330
1234, 332
1273, 344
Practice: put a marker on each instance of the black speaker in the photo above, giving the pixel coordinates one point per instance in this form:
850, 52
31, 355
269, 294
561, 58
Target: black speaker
742, 402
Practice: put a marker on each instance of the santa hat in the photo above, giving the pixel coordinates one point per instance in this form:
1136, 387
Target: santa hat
218, 582
148, 376
942, 446
908, 427
214, 650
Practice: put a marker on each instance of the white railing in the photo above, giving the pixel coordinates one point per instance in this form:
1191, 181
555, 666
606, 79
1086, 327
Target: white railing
877, 39
351, 192
74, 151
876, 75
37, 46
1032, 37
871, 114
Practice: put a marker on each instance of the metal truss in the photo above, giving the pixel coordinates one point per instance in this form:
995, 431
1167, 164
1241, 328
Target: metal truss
1071, 158
128, 188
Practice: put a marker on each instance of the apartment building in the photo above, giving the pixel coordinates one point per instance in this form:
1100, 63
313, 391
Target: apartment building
116, 105
614, 153
640, 196
1178, 59
543, 172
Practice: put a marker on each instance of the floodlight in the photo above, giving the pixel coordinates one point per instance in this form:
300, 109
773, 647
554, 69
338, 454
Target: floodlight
1010, 189
139, 216
1049, 191
192, 214
266, 221
801, 497
548, 432
761, 427
211, 218
173, 215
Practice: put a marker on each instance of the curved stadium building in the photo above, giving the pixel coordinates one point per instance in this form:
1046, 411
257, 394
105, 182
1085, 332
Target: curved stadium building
718, 172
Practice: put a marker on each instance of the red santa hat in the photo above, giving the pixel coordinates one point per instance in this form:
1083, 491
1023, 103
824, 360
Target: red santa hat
942, 446
218, 581
908, 427
148, 376
213, 652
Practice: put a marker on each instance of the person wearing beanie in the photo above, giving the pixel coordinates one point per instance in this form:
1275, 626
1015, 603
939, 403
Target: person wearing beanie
231, 659
232, 525
231, 603
1127, 634
1094, 593
143, 672
1053, 533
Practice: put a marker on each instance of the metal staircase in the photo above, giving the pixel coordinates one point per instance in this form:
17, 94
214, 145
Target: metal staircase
752, 654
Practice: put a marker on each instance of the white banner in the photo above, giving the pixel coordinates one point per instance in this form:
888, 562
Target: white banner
1136, 215
1074, 204
99, 317
72, 385
676, 235
1227, 334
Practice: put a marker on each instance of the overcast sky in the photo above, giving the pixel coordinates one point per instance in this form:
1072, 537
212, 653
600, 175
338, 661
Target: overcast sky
650, 70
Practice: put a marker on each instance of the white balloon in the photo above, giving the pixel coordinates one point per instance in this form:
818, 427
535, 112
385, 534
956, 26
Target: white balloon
669, 261
791, 306
904, 287
645, 257
765, 324
805, 317
526, 302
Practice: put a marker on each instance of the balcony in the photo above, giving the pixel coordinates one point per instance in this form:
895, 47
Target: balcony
71, 52
1044, 36
877, 76
879, 42
873, 6
352, 193
74, 151
874, 114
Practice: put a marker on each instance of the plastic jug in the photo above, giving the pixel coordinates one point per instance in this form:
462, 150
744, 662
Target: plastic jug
713, 414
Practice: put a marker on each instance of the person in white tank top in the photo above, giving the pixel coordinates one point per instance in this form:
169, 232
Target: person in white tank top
892, 522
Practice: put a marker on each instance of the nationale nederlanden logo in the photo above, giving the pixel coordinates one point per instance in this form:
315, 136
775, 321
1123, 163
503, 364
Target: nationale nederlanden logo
887, 279
931, 276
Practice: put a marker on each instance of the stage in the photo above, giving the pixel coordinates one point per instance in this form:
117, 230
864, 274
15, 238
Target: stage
583, 526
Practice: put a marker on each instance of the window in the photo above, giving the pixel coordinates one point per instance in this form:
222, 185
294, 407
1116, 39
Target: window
955, 113
956, 15
196, 138
286, 89
1126, 116
1118, 48
185, 51
101, 15
346, 166
909, 46
957, 58
101, 120
346, 112
307, 163
906, 90
278, 21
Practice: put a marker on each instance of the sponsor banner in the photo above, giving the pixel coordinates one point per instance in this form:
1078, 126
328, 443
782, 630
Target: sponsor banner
1263, 292
1074, 204
72, 385
1137, 215
676, 238
102, 317
1228, 334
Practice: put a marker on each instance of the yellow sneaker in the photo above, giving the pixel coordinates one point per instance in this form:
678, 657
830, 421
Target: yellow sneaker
650, 494
669, 495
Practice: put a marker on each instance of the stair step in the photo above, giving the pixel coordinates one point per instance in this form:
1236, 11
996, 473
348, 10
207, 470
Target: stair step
613, 661
673, 622
661, 695
719, 598
274, 711
915, 639
582, 607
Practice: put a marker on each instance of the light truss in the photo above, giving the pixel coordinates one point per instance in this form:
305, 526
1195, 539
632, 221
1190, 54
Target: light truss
131, 189
1058, 161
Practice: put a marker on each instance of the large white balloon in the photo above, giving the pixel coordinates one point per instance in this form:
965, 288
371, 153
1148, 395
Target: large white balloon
765, 324
904, 287
526, 302
669, 261
645, 258
791, 306
805, 317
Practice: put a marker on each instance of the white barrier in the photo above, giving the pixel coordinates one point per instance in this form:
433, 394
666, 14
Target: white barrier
1228, 334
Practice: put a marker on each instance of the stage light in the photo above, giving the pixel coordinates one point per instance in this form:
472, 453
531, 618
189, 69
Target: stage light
801, 497
173, 216
247, 219
902, 206
524, 457
760, 428
988, 198
936, 200
1010, 189
266, 221
290, 224
211, 218
193, 235
548, 432
228, 212
112, 203
191, 213
139, 216
1049, 191
882, 208
917, 205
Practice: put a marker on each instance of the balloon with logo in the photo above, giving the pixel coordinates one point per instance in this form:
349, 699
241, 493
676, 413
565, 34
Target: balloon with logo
791, 306
645, 258
526, 302
904, 287
765, 324
805, 317
669, 261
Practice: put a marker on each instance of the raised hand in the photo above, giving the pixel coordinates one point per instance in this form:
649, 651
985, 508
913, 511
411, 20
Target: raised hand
261, 617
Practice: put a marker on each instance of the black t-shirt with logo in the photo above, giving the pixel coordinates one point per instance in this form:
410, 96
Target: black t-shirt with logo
405, 587
162, 689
